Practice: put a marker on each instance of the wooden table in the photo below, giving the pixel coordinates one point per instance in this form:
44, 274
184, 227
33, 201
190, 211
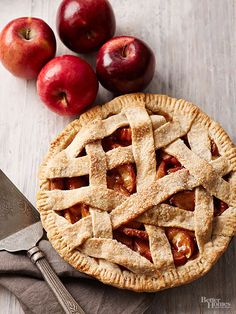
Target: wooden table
195, 46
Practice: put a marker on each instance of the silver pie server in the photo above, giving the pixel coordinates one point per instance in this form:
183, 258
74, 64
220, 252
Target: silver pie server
21, 230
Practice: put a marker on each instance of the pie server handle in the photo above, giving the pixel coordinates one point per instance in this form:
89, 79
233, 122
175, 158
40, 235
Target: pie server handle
68, 303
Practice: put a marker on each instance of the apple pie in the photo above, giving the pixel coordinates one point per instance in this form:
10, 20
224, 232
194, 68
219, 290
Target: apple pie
140, 192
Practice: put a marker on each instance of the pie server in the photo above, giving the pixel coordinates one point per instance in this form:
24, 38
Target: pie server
21, 230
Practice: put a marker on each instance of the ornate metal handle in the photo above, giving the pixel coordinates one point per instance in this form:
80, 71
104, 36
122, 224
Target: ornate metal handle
68, 303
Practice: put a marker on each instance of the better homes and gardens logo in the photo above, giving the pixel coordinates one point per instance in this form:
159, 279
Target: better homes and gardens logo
213, 303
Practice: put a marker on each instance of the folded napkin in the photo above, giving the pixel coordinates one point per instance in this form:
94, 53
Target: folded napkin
23, 279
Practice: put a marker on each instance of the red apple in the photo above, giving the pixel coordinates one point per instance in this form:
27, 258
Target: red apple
67, 85
26, 45
125, 64
84, 25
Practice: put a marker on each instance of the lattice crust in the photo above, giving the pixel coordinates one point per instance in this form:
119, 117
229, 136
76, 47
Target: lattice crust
156, 121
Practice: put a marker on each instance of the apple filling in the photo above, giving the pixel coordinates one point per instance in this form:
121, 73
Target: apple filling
184, 200
219, 207
214, 150
166, 164
135, 237
183, 244
123, 180
78, 211
121, 137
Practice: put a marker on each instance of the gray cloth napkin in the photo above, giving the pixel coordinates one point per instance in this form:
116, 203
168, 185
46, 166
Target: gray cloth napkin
23, 279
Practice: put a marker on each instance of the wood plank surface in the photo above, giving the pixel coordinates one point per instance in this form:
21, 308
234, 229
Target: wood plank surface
195, 47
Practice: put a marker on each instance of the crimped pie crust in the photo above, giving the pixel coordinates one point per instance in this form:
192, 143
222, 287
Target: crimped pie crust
88, 245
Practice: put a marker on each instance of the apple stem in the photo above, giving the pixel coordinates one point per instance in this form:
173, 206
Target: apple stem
124, 51
64, 99
27, 34
91, 34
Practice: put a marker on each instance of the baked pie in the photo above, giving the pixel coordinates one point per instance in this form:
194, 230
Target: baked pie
140, 192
